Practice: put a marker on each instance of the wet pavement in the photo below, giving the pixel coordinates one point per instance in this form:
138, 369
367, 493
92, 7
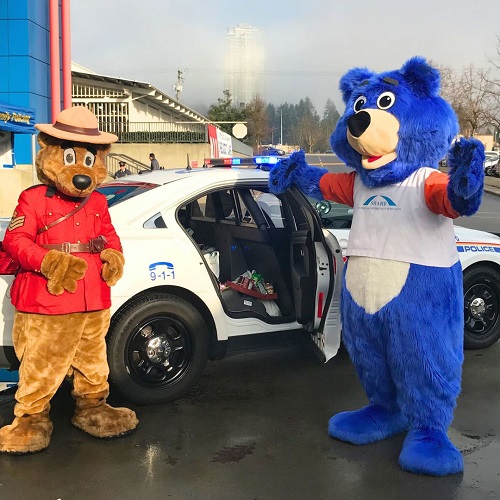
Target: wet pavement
255, 428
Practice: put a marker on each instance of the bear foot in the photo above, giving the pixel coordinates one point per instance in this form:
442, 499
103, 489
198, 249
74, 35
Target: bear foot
26, 434
104, 421
367, 425
429, 451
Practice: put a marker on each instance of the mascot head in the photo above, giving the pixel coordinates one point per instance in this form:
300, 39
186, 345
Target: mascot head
394, 123
72, 152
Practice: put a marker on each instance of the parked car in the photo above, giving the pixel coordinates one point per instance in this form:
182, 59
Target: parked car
187, 236
272, 151
491, 163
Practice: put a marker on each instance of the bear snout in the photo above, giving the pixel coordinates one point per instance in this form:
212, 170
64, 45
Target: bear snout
358, 123
81, 182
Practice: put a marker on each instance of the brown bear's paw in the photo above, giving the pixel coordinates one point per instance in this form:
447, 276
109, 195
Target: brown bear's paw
62, 270
26, 434
112, 270
104, 421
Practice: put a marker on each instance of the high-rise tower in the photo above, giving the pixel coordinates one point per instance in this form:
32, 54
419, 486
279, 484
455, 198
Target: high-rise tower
244, 63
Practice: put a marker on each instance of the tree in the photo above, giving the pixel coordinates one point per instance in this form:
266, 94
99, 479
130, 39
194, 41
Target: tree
257, 122
224, 111
308, 131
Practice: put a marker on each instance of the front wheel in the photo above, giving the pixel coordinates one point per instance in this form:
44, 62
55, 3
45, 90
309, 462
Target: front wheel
481, 307
157, 348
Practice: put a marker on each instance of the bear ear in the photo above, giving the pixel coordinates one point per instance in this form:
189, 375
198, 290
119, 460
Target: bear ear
423, 79
353, 79
46, 140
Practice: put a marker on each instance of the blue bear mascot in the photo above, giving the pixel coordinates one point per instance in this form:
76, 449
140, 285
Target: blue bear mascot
402, 296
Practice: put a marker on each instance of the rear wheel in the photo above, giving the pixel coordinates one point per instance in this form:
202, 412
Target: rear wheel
157, 348
481, 307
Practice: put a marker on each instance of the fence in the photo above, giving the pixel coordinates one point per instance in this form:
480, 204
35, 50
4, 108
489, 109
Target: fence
150, 132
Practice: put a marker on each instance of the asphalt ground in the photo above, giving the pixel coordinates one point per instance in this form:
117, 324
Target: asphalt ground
255, 427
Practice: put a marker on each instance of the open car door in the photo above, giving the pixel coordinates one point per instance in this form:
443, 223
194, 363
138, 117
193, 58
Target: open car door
316, 273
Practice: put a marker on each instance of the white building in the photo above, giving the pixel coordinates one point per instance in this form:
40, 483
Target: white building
244, 63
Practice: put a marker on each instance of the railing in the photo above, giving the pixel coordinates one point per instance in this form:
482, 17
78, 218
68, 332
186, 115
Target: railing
151, 132
113, 159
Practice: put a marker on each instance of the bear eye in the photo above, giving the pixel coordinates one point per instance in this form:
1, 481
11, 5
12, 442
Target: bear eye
359, 103
89, 159
69, 156
386, 100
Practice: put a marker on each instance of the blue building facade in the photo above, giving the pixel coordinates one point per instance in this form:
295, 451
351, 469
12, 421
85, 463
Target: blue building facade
25, 63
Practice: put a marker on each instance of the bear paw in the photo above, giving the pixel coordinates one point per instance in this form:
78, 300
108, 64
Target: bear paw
367, 425
62, 271
429, 451
112, 270
26, 434
104, 421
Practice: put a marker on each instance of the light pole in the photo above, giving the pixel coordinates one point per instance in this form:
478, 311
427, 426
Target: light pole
281, 127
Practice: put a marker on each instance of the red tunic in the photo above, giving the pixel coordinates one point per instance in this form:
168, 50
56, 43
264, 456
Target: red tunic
35, 210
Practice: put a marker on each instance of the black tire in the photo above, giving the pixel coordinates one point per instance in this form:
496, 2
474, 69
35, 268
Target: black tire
157, 348
481, 307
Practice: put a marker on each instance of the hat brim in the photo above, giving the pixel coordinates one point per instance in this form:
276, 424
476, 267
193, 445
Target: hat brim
102, 138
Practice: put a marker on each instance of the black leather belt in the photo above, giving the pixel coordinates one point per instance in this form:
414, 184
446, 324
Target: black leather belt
95, 245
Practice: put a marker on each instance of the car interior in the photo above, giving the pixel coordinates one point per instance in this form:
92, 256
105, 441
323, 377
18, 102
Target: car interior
252, 231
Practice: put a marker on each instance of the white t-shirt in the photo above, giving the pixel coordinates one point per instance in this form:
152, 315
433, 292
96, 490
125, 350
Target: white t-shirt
394, 223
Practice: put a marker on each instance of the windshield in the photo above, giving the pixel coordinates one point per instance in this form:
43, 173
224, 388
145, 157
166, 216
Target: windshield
116, 193
333, 215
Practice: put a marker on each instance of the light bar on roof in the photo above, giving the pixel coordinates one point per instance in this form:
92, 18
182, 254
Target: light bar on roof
253, 162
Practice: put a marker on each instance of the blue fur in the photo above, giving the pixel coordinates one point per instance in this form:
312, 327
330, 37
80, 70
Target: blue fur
466, 172
409, 354
427, 122
429, 451
294, 170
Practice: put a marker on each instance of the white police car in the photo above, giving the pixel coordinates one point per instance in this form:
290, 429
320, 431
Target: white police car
185, 234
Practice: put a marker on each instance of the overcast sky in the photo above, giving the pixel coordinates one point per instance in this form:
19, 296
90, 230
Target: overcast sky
309, 43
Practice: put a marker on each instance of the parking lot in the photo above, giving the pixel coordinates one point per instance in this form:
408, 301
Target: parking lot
255, 428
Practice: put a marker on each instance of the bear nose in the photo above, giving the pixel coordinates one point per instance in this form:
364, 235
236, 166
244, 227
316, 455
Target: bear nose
81, 182
358, 123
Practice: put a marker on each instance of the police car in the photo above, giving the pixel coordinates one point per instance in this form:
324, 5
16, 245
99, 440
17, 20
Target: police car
208, 273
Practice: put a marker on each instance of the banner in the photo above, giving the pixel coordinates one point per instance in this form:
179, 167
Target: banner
221, 145
17, 119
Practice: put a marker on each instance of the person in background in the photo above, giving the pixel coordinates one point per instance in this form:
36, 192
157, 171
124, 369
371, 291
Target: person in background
123, 171
154, 162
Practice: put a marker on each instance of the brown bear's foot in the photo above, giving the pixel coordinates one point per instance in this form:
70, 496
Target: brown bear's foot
26, 434
104, 421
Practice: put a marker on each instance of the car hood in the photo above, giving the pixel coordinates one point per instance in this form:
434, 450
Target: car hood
462, 235
473, 235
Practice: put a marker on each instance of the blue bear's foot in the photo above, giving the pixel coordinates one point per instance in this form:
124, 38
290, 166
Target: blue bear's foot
429, 451
368, 425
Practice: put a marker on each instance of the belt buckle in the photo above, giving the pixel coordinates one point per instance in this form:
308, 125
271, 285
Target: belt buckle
66, 247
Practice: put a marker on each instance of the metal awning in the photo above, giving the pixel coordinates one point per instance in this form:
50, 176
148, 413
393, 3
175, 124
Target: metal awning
17, 119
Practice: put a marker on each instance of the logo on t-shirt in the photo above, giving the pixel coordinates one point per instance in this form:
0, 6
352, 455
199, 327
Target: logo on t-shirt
379, 202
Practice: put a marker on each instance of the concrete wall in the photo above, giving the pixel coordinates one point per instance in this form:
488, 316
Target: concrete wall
12, 182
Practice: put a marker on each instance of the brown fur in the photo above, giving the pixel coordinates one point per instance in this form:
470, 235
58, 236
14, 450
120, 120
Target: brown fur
51, 347
62, 270
52, 171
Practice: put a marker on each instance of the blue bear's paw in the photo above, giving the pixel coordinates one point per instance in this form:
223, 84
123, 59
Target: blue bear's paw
466, 173
429, 451
368, 425
294, 170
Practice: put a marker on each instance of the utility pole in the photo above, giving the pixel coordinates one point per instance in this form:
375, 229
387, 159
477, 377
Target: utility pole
178, 85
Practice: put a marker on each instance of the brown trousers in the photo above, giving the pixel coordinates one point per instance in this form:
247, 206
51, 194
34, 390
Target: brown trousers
52, 347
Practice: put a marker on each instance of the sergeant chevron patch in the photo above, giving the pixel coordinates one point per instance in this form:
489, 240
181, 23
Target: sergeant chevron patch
16, 221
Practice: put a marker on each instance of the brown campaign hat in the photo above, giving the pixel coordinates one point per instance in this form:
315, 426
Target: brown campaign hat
77, 124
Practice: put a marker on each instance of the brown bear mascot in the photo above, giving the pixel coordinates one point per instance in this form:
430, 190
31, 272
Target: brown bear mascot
69, 254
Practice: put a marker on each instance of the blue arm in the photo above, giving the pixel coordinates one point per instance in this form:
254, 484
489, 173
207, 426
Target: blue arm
294, 170
466, 173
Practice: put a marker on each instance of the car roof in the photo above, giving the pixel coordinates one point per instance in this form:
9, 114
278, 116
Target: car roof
211, 174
